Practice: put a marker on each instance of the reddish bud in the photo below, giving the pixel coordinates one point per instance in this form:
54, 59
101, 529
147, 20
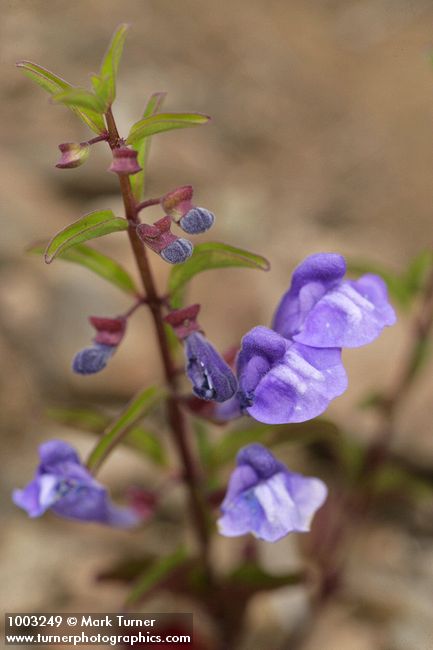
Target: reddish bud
184, 321
158, 236
124, 162
178, 202
109, 331
74, 154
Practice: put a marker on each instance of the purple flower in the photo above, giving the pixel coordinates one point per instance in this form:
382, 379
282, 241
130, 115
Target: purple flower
282, 381
266, 499
64, 485
324, 311
92, 359
211, 377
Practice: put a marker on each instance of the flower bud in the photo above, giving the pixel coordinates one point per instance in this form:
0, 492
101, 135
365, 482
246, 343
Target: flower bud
177, 252
92, 359
161, 240
196, 221
124, 162
74, 154
178, 204
211, 377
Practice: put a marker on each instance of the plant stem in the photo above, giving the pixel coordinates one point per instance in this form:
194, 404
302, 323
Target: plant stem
155, 303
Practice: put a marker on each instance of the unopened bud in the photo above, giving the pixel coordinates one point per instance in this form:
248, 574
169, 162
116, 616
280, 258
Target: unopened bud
197, 220
161, 240
177, 252
74, 154
92, 359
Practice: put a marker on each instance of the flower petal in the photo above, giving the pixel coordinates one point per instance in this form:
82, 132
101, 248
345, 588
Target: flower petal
299, 386
350, 315
57, 451
311, 279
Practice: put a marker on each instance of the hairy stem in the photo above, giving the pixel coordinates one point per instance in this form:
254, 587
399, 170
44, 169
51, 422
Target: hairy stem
155, 303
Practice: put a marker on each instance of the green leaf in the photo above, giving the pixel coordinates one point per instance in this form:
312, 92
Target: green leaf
417, 272
54, 85
164, 122
211, 255
253, 577
149, 444
80, 98
87, 419
156, 575
225, 450
79, 418
143, 147
106, 84
97, 262
92, 225
134, 411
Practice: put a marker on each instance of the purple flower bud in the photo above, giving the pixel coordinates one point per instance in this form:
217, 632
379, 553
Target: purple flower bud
160, 239
196, 221
92, 359
74, 154
63, 485
124, 162
268, 500
178, 251
211, 377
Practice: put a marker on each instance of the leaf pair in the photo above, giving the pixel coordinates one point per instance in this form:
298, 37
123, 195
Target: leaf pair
89, 106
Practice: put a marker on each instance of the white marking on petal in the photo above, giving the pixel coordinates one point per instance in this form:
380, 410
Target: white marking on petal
275, 500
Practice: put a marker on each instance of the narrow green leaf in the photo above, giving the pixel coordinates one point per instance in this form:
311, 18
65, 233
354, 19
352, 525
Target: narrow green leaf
253, 577
148, 443
225, 450
156, 575
80, 98
92, 225
164, 122
110, 65
43, 77
211, 255
135, 411
88, 419
97, 262
54, 85
143, 147
79, 418
417, 272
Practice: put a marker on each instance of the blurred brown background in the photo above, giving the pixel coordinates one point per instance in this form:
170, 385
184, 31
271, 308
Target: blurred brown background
321, 140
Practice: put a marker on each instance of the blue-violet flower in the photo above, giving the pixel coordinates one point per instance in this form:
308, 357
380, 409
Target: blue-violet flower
65, 486
266, 499
324, 311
